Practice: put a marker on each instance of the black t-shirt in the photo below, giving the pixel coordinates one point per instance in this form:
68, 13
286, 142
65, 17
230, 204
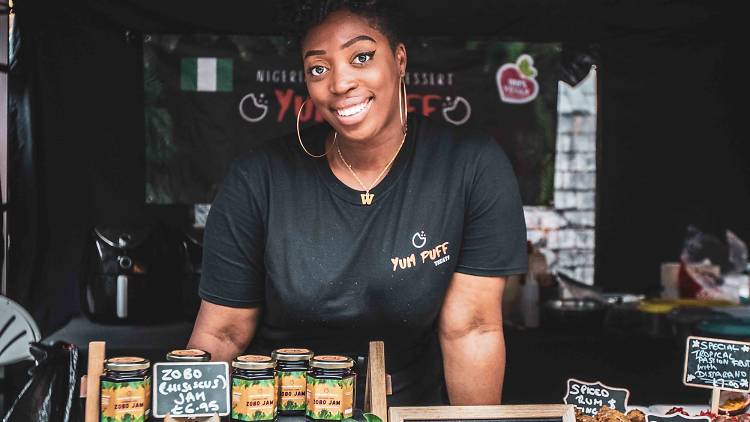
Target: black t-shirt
332, 274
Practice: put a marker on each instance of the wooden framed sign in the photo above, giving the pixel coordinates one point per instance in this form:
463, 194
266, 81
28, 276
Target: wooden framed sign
502, 413
717, 364
191, 389
589, 397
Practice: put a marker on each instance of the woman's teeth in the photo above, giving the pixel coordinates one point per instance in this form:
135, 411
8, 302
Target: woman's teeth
351, 111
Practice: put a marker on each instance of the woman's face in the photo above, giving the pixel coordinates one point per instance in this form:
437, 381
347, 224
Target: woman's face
352, 75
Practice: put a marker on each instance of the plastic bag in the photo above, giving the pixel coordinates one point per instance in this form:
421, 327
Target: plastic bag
51, 395
713, 268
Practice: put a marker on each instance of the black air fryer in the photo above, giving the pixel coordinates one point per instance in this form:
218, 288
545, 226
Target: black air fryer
131, 275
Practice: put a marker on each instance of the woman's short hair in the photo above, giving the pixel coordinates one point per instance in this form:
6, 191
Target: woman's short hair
302, 15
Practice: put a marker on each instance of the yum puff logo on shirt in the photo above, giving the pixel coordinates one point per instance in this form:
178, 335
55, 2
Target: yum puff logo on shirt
436, 255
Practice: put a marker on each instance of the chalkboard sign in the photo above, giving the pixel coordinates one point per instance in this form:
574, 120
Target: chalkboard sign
589, 397
505, 413
675, 417
717, 363
192, 389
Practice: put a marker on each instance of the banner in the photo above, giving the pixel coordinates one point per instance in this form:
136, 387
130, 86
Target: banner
209, 98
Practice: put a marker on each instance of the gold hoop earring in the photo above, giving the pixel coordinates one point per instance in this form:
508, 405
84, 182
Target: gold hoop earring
299, 137
403, 104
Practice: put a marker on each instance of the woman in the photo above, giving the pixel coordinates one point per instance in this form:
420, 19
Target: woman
403, 230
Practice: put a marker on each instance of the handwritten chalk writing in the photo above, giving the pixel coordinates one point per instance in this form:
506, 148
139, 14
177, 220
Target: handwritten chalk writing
165, 388
174, 374
196, 389
190, 409
589, 397
717, 363
585, 389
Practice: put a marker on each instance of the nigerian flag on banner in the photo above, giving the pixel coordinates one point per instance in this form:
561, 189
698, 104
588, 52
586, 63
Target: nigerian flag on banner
208, 74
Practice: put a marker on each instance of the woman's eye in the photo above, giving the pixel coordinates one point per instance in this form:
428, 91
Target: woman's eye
362, 58
317, 70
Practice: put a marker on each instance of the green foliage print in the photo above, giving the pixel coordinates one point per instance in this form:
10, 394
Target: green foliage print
291, 405
111, 385
292, 374
325, 414
125, 418
243, 383
328, 382
257, 416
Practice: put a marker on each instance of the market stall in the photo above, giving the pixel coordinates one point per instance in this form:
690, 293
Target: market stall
124, 119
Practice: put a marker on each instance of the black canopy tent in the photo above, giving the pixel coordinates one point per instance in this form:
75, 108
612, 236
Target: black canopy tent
670, 147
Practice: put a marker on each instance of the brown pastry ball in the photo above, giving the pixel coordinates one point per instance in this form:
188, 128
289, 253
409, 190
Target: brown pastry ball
636, 415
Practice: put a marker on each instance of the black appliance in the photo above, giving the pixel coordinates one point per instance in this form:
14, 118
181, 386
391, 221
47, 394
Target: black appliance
131, 275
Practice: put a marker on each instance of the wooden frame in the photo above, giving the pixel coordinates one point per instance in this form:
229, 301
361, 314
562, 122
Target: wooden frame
375, 385
566, 412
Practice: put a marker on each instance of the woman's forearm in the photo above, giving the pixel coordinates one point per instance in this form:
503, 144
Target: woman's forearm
474, 364
223, 331
221, 348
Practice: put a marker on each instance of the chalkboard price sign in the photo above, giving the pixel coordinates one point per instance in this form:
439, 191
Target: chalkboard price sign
192, 389
675, 417
589, 397
717, 363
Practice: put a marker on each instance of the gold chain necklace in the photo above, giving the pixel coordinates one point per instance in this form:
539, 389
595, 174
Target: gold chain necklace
367, 197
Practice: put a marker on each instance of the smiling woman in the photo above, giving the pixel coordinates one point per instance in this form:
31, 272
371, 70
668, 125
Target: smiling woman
374, 225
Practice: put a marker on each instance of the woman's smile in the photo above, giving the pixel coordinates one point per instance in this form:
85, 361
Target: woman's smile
353, 110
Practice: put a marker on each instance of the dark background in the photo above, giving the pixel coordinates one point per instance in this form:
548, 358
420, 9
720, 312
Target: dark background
672, 92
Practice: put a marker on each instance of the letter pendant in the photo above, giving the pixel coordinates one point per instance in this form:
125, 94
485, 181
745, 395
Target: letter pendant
367, 198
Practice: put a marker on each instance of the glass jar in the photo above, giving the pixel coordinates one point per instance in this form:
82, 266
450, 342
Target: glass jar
331, 388
254, 392
125, 389
291, 379
188, 355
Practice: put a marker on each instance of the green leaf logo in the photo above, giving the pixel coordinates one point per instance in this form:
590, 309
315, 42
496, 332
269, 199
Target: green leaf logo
526, 66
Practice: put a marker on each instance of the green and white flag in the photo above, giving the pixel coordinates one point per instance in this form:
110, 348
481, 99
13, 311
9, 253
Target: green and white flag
207, 74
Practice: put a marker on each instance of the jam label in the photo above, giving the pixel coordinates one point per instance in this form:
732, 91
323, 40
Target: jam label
125, 401
292, 390
330, 399
253, 400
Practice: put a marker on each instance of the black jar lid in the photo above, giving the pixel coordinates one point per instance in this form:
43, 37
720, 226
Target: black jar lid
331, 362
254, 362
126, 363
188, 355
292, 354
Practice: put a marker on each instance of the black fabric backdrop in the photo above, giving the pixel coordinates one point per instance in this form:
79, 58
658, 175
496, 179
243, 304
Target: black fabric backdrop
671, 145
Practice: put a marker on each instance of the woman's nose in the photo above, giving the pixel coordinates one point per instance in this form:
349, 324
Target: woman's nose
342, 82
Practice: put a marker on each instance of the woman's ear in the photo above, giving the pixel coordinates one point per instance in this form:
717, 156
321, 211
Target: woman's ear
401, 59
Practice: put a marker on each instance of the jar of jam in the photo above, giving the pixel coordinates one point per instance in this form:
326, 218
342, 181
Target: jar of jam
125, 389
188, 355
254, 392
291, 379
331, 388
